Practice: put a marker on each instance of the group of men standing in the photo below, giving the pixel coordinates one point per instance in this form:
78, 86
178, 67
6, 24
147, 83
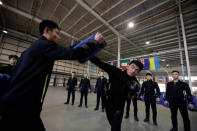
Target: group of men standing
175, 97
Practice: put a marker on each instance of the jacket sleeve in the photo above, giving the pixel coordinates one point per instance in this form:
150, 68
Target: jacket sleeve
189, 95
96, 85
80, 83
167, 92
58, 52
75, 81
158, 90
68, 81
106, 67
142, 89
89, 86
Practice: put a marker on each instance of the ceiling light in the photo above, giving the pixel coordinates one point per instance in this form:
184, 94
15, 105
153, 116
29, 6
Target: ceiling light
167, 65
147, 42
163, 60
130, 24
1, 3
4, 31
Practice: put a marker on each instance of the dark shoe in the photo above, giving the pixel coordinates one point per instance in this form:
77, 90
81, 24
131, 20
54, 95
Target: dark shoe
155, 123
79, 105
103, 110
127, 116
66, 103
146, 120
86, 106
174, 129
72, 104
136, 118
95, 109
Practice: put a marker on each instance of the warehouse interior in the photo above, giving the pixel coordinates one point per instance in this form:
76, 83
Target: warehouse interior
132, 29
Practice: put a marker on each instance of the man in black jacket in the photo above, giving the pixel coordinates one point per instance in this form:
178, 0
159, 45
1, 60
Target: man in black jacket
120, 86
7, 72
176, 97
21, 106
150, 97
101, 87
84, 86
72, 83
12, 63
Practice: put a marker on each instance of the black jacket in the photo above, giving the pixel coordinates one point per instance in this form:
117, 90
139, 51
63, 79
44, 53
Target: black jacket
6, 69
72, 82
176, 92
101, 85
119, 82
148, 90
31, 75
84, 85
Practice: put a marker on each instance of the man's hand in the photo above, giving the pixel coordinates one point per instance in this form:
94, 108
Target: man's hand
141, 97
158, 99
166, 102
99, 38
191, 106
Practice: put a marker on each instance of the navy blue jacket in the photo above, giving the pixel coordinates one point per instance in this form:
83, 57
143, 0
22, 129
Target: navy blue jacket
148, 90
176, 92
72, 83
32, 73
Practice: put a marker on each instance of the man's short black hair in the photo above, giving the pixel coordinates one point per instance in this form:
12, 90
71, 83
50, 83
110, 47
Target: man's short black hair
13, 56
175, 71
137, 63
148, 74
73, 72
47, 23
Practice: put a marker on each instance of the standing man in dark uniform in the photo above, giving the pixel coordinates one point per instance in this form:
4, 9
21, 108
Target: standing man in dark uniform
72, 83
176, 98
7, 72
100, 87
12, 63
128, 101
84, 86
121, 84
150, 97
21, 105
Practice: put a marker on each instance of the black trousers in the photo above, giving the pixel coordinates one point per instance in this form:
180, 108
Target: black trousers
114, 114
102, 97
184, 113
152, 103
16, 122
73, 96
84, 93
134, 100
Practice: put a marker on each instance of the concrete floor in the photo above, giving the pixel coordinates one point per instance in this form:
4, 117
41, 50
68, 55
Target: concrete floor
59, 117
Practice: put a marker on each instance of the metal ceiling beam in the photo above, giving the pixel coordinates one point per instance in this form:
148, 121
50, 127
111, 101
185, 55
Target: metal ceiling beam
24, 14
98, 2
100, 15
68, 14
158, 53
106, 23
55, 8
137, 15
116, 15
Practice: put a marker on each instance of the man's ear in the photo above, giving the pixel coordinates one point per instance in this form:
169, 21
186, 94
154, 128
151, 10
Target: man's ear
46, 30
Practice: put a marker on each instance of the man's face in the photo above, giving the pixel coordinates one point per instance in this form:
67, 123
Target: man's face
102, 74
175, 75
53, 34
85, 75
148, 77
132, 70
13, 61
73, 74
